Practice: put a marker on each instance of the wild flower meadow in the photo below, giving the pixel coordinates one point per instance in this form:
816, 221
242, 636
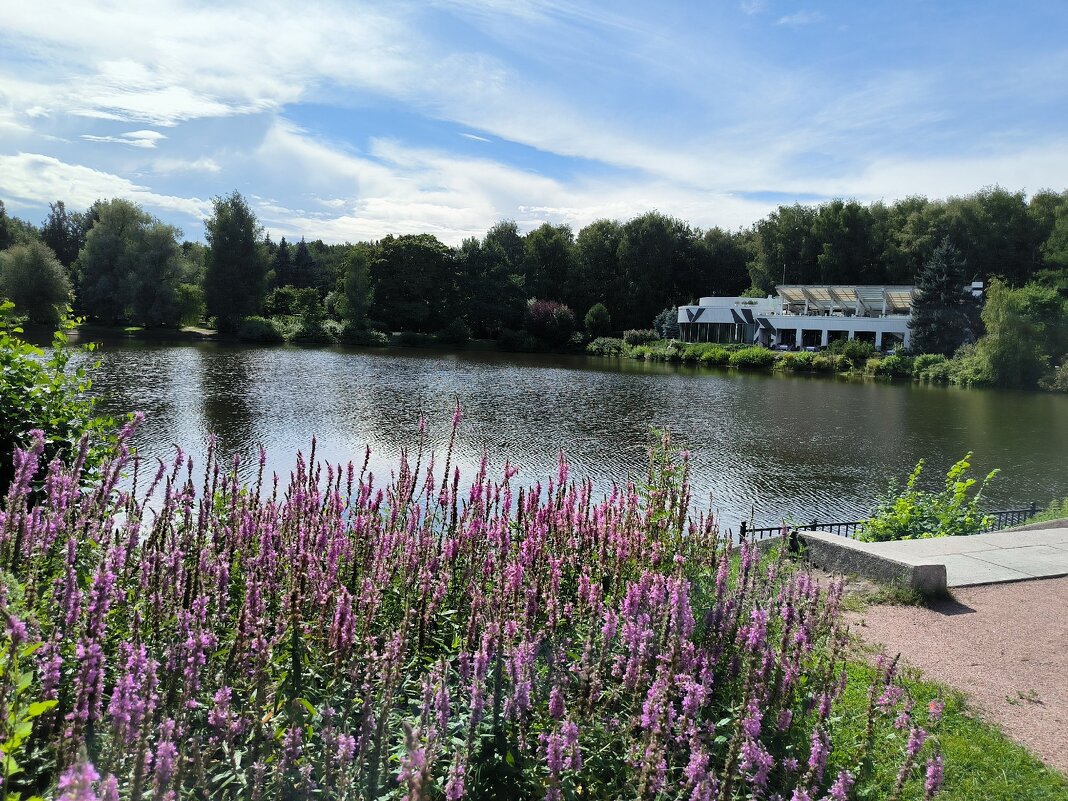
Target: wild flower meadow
341, 636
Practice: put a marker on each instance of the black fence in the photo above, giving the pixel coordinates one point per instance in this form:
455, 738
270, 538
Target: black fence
1002, 519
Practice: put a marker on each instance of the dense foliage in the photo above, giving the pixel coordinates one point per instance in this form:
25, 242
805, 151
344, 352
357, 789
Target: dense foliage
37, 392
342, 638
634, 273
235, 272
33, 279
912, 513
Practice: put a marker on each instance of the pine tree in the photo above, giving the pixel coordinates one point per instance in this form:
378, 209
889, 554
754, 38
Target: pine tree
235, 274
944, 315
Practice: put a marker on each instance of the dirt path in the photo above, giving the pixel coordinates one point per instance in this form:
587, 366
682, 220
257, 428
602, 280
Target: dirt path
1006, 645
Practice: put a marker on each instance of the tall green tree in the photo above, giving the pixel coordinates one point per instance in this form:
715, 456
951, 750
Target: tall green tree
357, 285
155, 276
943, 314
549, 261
415, 283
130, 267
659, 259
236, 269
598, 277
1026, 333
33, 279
108, 259
64, 231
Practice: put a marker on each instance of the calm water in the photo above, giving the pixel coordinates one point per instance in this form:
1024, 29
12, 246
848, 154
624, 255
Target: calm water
768, 446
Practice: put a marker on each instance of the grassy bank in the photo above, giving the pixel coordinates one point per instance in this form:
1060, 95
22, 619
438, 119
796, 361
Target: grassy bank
981, 764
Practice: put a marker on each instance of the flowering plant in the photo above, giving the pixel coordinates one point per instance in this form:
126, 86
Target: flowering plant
338, 637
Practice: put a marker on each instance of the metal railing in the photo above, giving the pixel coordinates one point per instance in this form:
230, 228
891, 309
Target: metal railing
1000, 519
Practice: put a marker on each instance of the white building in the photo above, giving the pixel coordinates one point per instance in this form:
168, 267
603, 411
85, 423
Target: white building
804, 317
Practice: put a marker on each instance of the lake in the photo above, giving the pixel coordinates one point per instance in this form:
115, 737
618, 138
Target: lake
763, 446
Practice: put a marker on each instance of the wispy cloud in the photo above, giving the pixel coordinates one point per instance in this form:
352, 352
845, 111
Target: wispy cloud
42, 179
142, 139
353, 115
800, 19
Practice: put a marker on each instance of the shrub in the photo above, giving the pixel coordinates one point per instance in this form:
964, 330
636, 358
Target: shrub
414, 339
1057, 510
716, 356
856, 351
356, 335
34, 280
607, 346
281, 301
913, 513
339, 642
519, 341
1058, 380
937, 373
825, 363
456, 333
39, 392
597, 322
261, 330
925, 360
872, 365
752, 358
799, 362
894, 367
549, 321
641, 336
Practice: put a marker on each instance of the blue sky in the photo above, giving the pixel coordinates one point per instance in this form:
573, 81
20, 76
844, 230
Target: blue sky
349, 120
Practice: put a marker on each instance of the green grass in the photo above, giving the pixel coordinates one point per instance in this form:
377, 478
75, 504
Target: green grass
981, 764
881, 594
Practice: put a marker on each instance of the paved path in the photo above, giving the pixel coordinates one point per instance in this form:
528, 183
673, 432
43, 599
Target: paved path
992, 558
1004, 645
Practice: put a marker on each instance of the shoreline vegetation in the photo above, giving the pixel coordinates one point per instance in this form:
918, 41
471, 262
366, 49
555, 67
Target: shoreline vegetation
842, 360
555, 289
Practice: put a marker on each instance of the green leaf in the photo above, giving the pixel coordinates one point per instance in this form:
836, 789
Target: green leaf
38, 708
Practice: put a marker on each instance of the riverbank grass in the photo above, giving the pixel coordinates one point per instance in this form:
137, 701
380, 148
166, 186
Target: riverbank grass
981, 763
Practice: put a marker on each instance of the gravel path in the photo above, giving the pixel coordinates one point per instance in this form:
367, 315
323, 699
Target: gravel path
1005, 645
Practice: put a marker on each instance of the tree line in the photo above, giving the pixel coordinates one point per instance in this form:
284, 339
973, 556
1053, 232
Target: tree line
119, 265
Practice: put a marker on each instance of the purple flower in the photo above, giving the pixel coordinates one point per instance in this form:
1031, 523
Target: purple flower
933, 781
556, 704
935, 709
842, 785
76, 783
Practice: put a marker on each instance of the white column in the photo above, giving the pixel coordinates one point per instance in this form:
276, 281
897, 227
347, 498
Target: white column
878, 340
798, 337
825, 337
851, 334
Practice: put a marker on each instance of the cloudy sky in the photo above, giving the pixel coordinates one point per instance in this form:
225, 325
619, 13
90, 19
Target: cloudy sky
350, 120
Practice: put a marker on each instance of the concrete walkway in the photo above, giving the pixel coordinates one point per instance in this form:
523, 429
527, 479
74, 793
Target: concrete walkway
994, 558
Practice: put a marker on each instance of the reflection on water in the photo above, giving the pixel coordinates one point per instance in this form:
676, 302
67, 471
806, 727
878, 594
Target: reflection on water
764, 445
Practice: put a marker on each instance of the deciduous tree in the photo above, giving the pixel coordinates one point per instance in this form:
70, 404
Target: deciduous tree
34, 280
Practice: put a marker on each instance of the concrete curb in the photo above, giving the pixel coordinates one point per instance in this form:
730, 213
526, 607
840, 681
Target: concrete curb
1061, 522
842, 555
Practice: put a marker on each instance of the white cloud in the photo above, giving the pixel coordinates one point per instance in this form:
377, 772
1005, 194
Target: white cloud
42, 179
142, 139
398, 189
165, 166
800, 19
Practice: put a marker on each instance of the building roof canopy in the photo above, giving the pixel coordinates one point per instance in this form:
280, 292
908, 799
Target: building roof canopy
828, 297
